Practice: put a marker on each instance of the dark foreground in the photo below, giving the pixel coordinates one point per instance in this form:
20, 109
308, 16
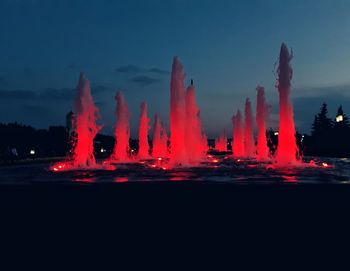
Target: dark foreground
173, 221
180, 196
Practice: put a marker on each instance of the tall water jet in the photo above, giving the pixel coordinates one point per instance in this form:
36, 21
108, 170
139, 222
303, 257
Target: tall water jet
160, 139
143, 132
194, 139
122, 129
249, 145
85, 125
287, 148
238, 135
178, 153
261, 117
221, 142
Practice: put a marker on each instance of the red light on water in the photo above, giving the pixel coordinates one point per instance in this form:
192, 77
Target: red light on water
121, 180
58, 167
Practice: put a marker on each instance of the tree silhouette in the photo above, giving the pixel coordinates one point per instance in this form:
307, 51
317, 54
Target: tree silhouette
322, 125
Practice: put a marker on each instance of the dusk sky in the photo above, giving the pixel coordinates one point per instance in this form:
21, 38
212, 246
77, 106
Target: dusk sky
227, 47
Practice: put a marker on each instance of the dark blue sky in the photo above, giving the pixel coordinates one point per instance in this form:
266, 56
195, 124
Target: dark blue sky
228, 47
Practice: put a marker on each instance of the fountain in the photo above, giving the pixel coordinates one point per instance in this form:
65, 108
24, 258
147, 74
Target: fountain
122, 130
287, 148
178, 154
221, 142
238, 137
249, 145
188, 144
261, 117
196, 144
185, 125
143, 133
85, 128
160, 139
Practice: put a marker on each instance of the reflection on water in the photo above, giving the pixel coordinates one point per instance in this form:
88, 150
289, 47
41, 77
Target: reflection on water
289, 179
85, 180
181, 176
216, 169
120, 180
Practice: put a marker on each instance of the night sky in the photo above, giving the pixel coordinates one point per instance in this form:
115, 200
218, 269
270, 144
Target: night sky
227, 47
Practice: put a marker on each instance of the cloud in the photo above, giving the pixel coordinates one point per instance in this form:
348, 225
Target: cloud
144, 80
159, 71
129, 69
133, 69
63, 94
322, 90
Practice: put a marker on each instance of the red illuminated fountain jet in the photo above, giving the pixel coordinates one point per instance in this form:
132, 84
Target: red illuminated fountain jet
121, 152
143, 133
249, 145
261, 117
85, 127
160, 139
287, 147
186, 138
221, 142
238, 135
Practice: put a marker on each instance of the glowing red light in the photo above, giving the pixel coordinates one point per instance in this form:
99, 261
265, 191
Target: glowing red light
121, 180
215, 161
325, 165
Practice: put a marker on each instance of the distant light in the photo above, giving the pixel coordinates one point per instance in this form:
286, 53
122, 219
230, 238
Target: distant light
103, 150
339, 118
132, 150
215, 161
160, 158
324, 164
32, 152
276, 133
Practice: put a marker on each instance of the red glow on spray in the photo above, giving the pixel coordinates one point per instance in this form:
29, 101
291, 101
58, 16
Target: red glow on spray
160, 139
238, 135
143, 133
85, 125
122, 129
221, 142
196, 142
261, 117
249, 145
287, 148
